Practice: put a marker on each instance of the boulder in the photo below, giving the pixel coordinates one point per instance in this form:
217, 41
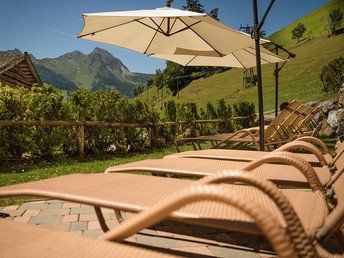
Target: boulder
328, 131
332, 119
340, 115
340, 129
341, 96
312, 104
319, 117
328, 106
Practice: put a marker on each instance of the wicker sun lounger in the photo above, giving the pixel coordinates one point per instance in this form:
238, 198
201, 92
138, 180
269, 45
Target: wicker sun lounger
248, 136
290, 223
282, 174
326, 158
22, 240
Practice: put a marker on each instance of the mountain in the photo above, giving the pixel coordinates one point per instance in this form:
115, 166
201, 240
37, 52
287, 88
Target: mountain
98, 70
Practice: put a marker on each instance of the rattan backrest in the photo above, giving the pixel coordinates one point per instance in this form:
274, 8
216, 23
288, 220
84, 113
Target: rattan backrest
285, 128
304, 123
271, 128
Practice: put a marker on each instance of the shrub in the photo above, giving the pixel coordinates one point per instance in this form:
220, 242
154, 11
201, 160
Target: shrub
224, 112
244, 108
332, 75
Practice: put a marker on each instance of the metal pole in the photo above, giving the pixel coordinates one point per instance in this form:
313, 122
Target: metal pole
177, 88
259, 77
276, 86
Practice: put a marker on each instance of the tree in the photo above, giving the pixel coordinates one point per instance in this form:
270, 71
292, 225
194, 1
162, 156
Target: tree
298, 31
335, 20
262, 34
149, 84
214, 13
194, 6
158, 79
170, 74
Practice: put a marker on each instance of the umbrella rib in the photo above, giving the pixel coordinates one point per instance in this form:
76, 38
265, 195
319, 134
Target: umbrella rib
124, 23
190, 61
156, 31
186, 28
201, 37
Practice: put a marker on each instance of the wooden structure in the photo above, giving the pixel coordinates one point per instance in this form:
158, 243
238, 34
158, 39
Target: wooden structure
18, 70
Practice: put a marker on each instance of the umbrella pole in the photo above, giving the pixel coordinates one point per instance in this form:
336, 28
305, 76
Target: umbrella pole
276, 86
259, 77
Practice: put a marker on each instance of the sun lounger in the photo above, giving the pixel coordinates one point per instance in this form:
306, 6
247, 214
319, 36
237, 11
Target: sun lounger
282, 172
248, 136
22, 240
247, 155
202, 203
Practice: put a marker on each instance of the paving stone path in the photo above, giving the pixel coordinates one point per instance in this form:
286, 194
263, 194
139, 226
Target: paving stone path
168, 236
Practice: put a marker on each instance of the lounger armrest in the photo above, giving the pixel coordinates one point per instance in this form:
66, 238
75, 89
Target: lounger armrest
316, 140
292, 220
267, 223
288, 158
243, 133
304, 145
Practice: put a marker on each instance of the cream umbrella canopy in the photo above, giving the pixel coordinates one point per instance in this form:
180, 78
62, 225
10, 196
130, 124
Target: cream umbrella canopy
243, 58
163, 30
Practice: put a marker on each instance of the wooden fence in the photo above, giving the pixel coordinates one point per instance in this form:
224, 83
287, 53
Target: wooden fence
81, 125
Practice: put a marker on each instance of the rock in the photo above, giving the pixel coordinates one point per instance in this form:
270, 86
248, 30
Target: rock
328, 131
312, 104
332, 119
341, 96
328, 106
268, 119
340, 115
319, 117
340, 129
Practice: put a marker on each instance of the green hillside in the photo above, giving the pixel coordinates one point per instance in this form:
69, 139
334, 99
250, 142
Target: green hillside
315, 22
299, 78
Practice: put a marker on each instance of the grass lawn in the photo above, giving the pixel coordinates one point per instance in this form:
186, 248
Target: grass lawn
15, 173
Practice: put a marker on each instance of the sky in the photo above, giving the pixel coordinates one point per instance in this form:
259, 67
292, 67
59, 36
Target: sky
47, 28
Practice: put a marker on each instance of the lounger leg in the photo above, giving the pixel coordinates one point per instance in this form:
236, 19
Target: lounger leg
101, 219
119, 217
176, 144
199, 145
193, 144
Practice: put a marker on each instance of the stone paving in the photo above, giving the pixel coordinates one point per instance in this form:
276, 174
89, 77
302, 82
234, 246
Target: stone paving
168, 236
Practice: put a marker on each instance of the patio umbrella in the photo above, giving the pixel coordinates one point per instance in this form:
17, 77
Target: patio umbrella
243, 58
164, 31
169, 31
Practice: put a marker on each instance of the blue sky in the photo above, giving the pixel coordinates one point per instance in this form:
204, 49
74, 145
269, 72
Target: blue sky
48, 28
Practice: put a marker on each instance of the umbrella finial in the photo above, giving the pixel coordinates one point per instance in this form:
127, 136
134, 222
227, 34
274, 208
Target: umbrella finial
169, 3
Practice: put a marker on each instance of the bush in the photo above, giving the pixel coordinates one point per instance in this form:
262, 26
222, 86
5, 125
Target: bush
43, 103
332, 75
244, 108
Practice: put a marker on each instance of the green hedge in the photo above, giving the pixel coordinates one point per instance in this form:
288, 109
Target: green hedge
46, 103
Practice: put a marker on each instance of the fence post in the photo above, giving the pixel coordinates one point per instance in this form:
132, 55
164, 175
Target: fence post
152, 135
81, 129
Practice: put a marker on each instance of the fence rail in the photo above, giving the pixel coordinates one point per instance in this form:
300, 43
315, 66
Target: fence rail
81, 125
